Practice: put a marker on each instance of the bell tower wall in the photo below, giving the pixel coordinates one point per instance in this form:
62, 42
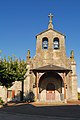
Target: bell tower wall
52, 52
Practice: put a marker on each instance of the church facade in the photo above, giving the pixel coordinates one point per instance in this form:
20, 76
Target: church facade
51, 75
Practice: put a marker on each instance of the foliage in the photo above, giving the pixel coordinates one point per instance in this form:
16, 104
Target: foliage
1, 101
21, 70
11, 70
78, 96
30, 97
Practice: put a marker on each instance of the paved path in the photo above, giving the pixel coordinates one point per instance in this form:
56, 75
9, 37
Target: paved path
7, 116
30, 112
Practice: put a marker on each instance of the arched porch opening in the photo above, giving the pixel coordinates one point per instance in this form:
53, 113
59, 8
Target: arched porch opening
50, 87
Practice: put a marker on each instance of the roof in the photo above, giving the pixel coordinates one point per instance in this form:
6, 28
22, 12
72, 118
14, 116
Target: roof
51, 68
48, 30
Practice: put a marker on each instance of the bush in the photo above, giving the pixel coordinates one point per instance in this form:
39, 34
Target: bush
1, 101
78, 96
30, 97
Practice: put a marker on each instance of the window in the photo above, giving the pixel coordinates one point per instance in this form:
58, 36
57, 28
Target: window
45, 43
56, 43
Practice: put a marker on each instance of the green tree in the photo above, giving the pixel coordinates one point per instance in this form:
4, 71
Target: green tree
12, 70
7, 74
2, 72
21, 74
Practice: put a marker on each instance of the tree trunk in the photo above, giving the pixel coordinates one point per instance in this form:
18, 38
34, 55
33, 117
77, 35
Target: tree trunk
22, 92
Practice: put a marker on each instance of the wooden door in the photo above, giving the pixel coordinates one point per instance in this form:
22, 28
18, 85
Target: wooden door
50, 91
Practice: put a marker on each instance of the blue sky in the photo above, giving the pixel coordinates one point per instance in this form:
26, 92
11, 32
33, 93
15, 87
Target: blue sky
21, 20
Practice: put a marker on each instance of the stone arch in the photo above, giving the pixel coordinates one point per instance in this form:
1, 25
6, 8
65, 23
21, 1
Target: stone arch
56, 43
50, 77
53, 80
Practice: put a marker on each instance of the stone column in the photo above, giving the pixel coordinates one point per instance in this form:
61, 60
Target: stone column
64, 79
37, 86
74, 83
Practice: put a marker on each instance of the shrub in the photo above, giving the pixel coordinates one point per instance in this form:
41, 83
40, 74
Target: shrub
1, 101
78, 96
30, 97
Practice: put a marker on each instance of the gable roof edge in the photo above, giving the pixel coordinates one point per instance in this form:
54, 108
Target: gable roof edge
48, 30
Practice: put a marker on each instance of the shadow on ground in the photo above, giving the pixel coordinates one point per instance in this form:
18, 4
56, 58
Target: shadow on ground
72, 111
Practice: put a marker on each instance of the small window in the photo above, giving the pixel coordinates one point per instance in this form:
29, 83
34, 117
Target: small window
56, 43
45, 43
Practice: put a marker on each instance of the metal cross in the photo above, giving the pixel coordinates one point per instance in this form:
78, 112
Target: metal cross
50, 16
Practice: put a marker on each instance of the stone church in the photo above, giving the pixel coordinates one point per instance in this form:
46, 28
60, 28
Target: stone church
51, 75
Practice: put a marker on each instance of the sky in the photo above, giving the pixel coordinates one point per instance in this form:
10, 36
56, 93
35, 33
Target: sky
22, 20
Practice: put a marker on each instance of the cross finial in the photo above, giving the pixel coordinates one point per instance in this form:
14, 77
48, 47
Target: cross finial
50, 26
72, 55
28, 55
50, 16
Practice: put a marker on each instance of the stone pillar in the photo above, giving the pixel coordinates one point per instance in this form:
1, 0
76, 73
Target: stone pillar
74, 81
73, 77
37, 86
27, 85
64, 80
